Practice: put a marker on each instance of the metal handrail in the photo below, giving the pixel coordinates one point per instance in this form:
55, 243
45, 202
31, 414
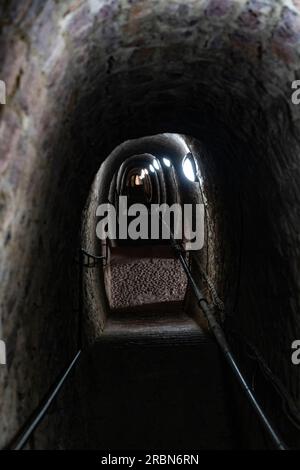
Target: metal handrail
225, 348
40, 412
96, 259
20, 441
23, 437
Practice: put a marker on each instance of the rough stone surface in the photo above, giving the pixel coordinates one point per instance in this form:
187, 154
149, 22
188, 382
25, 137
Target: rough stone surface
146, 281
84, 76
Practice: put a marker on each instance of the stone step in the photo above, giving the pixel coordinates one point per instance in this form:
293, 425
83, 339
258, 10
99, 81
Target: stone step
153, 324
144, 281
156, 382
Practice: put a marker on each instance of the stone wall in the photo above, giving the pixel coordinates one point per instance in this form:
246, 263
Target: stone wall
84, 76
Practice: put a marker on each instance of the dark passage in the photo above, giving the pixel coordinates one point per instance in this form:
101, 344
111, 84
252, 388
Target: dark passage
166, 389
154, 375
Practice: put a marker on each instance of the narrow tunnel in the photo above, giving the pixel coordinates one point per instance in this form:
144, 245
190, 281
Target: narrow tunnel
164, 102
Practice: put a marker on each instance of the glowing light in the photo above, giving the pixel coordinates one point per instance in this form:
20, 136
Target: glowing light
144, 172
188, 169
167, 162
151, 168
155, 164
138, 181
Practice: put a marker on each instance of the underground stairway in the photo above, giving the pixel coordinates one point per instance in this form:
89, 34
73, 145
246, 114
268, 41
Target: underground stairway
149, 384
119, 343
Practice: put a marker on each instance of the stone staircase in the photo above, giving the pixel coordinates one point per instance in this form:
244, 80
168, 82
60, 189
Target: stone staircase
156, 382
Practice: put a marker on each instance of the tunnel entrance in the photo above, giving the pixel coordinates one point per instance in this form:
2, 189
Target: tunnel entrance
147, 191
141, 268
151, 338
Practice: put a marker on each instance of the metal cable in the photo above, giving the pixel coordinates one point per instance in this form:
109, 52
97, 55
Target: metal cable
290, 408
224, 346
41, 411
